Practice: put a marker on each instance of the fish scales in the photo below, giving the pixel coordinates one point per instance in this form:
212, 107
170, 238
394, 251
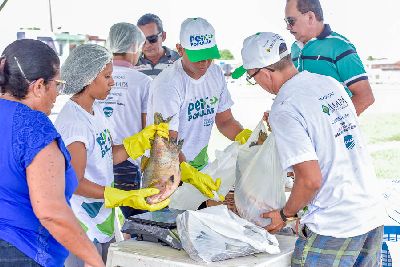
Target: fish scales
162, 169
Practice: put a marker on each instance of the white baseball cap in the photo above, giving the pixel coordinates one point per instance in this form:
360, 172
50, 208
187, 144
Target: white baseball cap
198, 39
261, 50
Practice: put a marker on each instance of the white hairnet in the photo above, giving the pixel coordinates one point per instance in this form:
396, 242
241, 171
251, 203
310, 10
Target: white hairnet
83, 65
125, 38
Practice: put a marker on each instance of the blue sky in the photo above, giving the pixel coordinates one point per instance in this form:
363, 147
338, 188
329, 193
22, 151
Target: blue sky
373, 26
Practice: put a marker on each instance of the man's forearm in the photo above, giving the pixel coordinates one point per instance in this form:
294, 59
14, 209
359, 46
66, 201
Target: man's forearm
230, 129
306, 184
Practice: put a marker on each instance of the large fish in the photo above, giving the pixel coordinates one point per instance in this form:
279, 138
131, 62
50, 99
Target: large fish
162, 168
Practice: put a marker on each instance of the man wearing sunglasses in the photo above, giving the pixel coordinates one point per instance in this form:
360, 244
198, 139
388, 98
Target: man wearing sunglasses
320, 50
318, 137
155, 57
194, 93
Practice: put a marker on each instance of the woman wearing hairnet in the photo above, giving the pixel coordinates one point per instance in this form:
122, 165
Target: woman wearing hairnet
126, 106
82, 125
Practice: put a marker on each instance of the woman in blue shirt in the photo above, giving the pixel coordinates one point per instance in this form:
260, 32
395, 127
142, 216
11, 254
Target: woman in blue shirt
37, 225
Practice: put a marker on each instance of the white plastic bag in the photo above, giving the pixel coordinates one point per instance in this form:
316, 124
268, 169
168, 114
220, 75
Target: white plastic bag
260, 184
187, 197
216, 233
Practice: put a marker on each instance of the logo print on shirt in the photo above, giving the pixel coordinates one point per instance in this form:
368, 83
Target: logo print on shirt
201, 107
200, 39
108, 111
327, 96
338, 104
344, 128
325, 109
104, 141
349, 141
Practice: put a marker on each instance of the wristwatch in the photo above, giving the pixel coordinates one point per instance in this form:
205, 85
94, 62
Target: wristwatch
287, 219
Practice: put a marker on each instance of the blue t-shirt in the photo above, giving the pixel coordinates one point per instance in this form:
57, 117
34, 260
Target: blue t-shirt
24, 133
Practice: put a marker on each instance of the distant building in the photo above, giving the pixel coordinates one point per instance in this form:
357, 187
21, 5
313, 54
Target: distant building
62, 43
383, 70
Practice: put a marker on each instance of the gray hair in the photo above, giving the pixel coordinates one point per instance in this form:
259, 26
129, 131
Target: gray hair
303, 6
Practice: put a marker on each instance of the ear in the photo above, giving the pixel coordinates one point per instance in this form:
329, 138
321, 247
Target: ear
38, 88
179, 48
311, 17
164, 36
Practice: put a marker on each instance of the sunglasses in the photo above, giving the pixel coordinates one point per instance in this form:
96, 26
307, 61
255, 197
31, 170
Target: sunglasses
290, 21
250, 78
153, 38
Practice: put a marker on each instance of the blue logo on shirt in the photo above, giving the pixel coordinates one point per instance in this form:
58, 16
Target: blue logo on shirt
349, 141
104, 141
201, 107
108, 111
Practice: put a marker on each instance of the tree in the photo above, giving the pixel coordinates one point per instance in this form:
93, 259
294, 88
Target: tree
226, 54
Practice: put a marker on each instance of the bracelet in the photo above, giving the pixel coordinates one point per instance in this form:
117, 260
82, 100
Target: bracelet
285, 218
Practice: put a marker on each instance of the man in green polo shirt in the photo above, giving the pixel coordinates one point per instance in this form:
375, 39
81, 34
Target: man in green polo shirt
320, 50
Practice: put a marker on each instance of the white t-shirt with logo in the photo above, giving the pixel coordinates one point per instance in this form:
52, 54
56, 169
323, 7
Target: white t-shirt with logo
192, 104
126, 102
313, 118
77, 125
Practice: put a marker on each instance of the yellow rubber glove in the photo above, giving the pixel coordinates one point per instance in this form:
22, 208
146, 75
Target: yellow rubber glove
243, 136
136, 199
203, 182
137, 144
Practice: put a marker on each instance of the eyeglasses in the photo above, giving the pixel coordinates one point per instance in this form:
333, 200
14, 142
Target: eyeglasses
250, 78
153, 38
60, 85
290, 21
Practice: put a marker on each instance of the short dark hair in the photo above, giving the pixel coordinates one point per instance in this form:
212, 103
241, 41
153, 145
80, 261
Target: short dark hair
151, 18
303, 6
36, 59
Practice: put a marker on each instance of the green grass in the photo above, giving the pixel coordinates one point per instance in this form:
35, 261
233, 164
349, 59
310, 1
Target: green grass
378, 129
381, 127
386, 163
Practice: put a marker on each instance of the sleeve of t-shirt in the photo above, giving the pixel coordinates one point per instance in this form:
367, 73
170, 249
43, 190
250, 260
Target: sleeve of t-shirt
33, 132
75, 132
145, 94
349, 65
167, 101
225, 100
292, 140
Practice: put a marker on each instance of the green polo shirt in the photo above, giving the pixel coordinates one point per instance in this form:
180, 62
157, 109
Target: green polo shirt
330, 54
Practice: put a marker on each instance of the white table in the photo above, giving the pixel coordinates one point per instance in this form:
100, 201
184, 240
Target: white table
140, 253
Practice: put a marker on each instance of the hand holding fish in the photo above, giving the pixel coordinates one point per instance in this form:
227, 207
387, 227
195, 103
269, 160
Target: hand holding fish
203, 182
136, 199
137, 144
243, 136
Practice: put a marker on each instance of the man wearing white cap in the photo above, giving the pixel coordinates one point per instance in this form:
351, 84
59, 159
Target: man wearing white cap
193, 90
318, 137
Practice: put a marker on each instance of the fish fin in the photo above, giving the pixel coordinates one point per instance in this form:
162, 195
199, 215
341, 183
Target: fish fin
180, 144
158, 118
144, 163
